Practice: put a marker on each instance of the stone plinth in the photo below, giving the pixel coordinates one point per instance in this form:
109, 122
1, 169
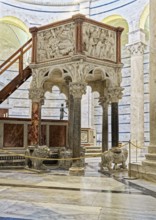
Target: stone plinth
77, 171
146, 170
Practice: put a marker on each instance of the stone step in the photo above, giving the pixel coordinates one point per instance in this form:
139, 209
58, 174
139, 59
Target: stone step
150, 156
93, 151
150, 163
89, 147
146, 170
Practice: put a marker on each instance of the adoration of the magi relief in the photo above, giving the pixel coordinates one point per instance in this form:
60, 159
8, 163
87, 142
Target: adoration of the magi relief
55, 42
99, 42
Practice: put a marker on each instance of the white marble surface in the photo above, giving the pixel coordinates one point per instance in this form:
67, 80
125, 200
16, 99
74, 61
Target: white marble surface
59, 197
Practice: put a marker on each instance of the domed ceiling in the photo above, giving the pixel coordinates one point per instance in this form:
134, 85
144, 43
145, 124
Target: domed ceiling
52, 2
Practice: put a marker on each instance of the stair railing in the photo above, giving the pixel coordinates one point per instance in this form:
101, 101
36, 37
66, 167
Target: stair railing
17, 56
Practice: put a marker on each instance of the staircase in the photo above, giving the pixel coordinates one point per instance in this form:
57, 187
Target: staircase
8, 161
23, 72
92, 150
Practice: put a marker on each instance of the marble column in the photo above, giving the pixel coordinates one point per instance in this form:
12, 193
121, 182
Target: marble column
114, 124
115, 93
71, 121
152, 147
37, 100
137, 93
103, 101
77, 90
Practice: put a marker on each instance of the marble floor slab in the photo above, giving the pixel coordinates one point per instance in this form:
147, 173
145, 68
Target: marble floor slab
58, 196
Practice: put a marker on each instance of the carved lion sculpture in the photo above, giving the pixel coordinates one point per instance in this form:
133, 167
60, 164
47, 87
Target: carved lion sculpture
38, 152
116, 156
64, 155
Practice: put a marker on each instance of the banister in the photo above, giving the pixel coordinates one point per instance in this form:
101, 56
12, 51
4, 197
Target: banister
16, 55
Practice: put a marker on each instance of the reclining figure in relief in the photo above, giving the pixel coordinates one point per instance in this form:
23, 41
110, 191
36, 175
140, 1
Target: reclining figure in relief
115, 156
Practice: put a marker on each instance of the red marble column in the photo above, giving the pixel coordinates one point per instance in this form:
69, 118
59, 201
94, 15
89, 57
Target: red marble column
35, 124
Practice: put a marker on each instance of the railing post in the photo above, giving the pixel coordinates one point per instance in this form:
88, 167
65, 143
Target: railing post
136, 151
21, 63
129, 159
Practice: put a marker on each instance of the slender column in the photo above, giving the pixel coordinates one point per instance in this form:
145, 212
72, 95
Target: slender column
103, 101
37, 99
137, 93
71, 121
35, 122
77, 90
115, 124
115, 93
77, 127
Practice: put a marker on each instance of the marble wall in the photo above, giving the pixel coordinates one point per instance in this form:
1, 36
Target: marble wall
36, 15
15, 133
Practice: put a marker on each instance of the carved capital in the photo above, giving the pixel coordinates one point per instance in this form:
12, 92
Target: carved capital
115, 93
136, 49
105, 99
36, 95
77, 89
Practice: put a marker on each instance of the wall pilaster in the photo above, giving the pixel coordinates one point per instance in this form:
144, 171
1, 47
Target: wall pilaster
152, 147
137, 92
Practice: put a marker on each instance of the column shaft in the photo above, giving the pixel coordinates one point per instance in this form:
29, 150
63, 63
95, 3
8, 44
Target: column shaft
35, 123
105, 128
77, 127
114, 124
71, 121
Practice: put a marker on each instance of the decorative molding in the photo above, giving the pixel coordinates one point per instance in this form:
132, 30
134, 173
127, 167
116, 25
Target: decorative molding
38, 76
78, 70
136, 49
105, 99
36, 95
77, 89
115, 93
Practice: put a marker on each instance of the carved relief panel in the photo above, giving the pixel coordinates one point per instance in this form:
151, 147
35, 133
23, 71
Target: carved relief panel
99, 42
56, 42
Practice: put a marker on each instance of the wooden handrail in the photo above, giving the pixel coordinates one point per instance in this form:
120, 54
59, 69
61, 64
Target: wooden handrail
15, 56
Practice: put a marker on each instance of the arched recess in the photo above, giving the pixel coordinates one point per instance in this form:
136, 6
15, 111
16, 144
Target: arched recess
144, 22
118, 21
56, 93
52, 104
14, 33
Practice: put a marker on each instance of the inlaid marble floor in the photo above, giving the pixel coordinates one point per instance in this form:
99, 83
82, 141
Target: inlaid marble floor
58, 196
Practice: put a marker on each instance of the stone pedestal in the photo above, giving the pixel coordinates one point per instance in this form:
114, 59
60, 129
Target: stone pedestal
77, 171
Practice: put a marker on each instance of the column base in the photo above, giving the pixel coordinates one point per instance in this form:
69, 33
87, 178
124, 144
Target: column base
77, 168
77, 171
